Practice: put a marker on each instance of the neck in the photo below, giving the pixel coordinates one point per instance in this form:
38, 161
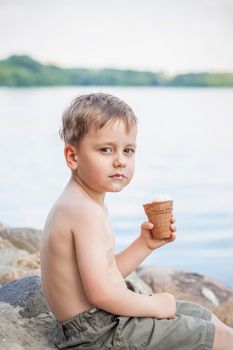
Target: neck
94, 195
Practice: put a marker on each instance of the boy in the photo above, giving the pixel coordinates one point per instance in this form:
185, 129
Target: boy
82, 278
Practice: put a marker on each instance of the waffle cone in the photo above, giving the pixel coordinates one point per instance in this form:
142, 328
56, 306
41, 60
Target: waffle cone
159, 214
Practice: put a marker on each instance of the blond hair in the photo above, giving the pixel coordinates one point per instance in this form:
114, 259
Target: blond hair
93, 110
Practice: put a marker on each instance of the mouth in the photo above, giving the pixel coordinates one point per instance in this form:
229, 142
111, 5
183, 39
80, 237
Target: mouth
118, 176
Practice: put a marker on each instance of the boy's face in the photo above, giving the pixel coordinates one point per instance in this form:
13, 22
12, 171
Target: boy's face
106, 157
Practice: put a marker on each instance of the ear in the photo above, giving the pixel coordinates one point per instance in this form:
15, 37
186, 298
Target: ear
71, 157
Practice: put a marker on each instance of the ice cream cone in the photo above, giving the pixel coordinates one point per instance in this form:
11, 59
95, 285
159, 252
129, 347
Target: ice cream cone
159, 214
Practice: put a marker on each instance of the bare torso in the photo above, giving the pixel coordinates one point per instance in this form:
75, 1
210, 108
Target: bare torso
60, 272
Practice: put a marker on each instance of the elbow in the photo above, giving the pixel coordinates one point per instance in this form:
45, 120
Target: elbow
100, 297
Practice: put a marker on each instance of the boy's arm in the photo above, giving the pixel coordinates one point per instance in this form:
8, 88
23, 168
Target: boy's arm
101, 287
131, 257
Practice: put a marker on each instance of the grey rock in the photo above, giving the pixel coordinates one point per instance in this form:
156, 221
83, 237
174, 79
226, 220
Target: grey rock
17, 332
26, 293
137, 284
10, 346
24, 238
191, 286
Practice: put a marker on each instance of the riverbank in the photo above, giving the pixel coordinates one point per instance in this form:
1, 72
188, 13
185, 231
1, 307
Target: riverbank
25, 319
24, 71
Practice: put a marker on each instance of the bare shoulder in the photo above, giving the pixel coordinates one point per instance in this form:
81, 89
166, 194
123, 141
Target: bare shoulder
73, 211
58, 217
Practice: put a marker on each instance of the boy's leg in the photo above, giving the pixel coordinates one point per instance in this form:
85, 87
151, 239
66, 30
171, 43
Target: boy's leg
97, 329
192, 309
181, 333
223, 339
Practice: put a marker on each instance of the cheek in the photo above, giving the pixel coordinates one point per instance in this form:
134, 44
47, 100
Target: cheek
131, 168
92, 170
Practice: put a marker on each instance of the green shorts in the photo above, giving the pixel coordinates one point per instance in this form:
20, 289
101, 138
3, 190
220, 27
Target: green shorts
95, 329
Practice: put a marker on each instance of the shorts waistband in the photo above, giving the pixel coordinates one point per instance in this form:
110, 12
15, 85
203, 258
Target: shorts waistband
90, 311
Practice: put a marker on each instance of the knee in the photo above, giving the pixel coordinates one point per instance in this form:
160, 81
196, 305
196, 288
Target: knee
223, 337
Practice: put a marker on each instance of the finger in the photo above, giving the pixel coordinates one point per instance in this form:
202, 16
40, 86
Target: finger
173, 220
171, 238
173, 228
147, 225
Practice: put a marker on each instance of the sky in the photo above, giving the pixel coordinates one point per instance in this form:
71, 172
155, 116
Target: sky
172, 36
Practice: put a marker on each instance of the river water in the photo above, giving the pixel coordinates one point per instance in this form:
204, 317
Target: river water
185, 149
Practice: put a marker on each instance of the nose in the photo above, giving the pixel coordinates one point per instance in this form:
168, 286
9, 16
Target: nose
119, 162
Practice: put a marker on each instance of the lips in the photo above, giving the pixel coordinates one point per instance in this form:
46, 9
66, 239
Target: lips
118, 176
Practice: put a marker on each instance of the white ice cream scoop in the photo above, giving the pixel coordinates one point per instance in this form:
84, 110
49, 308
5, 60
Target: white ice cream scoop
162, 198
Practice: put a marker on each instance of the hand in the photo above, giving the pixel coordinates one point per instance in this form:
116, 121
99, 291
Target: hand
164, 305
147, 237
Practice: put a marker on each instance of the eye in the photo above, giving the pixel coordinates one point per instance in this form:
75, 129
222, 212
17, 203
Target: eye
106, 150
129, 151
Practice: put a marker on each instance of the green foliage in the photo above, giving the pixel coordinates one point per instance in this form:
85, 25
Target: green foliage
22, 71
202, 80
112, 77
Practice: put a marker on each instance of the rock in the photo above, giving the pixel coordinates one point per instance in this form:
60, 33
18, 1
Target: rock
25, 319
2, 226
32, 261
15, 262
191, 286
225, 312
17, 332
10, 346
27, 294
10, 276
27, 239
209, 294
137, 284
157, 277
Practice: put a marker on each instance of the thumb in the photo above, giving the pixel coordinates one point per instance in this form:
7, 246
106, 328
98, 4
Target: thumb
147, 225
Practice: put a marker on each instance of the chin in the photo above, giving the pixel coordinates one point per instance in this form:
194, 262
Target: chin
117, 187
116, 190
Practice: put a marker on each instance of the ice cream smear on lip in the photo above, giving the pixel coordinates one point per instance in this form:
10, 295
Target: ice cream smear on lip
118, 182
162, 198
116, 187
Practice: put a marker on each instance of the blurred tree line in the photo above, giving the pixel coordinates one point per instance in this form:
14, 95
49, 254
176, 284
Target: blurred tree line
19, 71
